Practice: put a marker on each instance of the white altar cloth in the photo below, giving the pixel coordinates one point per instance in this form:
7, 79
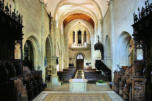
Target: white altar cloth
78, 85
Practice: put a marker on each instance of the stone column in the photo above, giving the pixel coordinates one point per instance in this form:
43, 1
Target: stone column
54, 77
112, 38
76, 37
92, 52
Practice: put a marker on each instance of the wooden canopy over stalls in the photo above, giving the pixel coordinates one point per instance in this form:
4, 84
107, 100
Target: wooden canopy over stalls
10, 52
11, 31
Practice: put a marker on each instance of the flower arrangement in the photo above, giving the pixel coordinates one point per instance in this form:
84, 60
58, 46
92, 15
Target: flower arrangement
100, 81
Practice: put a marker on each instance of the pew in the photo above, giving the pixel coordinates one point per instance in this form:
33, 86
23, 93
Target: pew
34, 84
11, 85
66, 74
129, 83
93, 76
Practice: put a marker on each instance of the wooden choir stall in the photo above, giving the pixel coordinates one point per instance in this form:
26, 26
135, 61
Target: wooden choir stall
15, 85
134, 83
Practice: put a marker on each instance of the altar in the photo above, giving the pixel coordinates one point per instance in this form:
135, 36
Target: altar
78, 85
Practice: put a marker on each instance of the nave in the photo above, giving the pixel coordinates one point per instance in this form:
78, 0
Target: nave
94, 93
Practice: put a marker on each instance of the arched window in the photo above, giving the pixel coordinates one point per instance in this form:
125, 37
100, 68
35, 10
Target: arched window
79, 37
85, 36
73, 36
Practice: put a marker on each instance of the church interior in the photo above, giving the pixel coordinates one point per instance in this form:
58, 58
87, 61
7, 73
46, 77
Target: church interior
75, 50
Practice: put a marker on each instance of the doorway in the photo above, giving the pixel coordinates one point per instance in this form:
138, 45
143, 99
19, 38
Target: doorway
80, 62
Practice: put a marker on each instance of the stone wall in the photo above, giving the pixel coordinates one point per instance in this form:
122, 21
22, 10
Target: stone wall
117, 24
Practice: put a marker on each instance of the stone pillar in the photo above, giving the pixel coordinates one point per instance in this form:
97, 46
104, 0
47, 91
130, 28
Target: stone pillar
99, 32
76, 37
112, 38
53, 67
92, 52
54, 77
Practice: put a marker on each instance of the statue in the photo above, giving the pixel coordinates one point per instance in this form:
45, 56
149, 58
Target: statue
17, 51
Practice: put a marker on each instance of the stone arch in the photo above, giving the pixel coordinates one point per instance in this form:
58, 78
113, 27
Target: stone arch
81, 12
35, 46
65, 2
84, 23
48, 50
59, 15
123, 49
74, 12
80, 53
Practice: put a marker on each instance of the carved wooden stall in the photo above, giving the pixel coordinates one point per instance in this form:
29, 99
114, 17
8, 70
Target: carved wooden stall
129, 85
15, 84
10, 54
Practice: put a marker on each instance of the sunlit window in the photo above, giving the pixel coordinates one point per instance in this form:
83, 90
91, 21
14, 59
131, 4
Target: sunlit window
79, 37
79, 56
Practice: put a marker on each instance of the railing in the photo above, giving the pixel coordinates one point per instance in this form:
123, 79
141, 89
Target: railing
83, 45
100, 65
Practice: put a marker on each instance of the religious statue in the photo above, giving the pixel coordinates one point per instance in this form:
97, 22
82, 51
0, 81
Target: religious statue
17, 50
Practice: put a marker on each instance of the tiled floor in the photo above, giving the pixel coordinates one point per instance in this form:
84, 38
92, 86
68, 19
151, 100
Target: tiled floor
91, 89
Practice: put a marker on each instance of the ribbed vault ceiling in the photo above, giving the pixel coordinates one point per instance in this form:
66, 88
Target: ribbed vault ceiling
53, 4
65, 11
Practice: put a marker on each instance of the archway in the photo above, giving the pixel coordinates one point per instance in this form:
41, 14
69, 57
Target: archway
123, 50
80, 61
48, 59
29, 55
48, 52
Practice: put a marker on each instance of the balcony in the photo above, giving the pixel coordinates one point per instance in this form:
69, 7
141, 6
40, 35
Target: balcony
80, 46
